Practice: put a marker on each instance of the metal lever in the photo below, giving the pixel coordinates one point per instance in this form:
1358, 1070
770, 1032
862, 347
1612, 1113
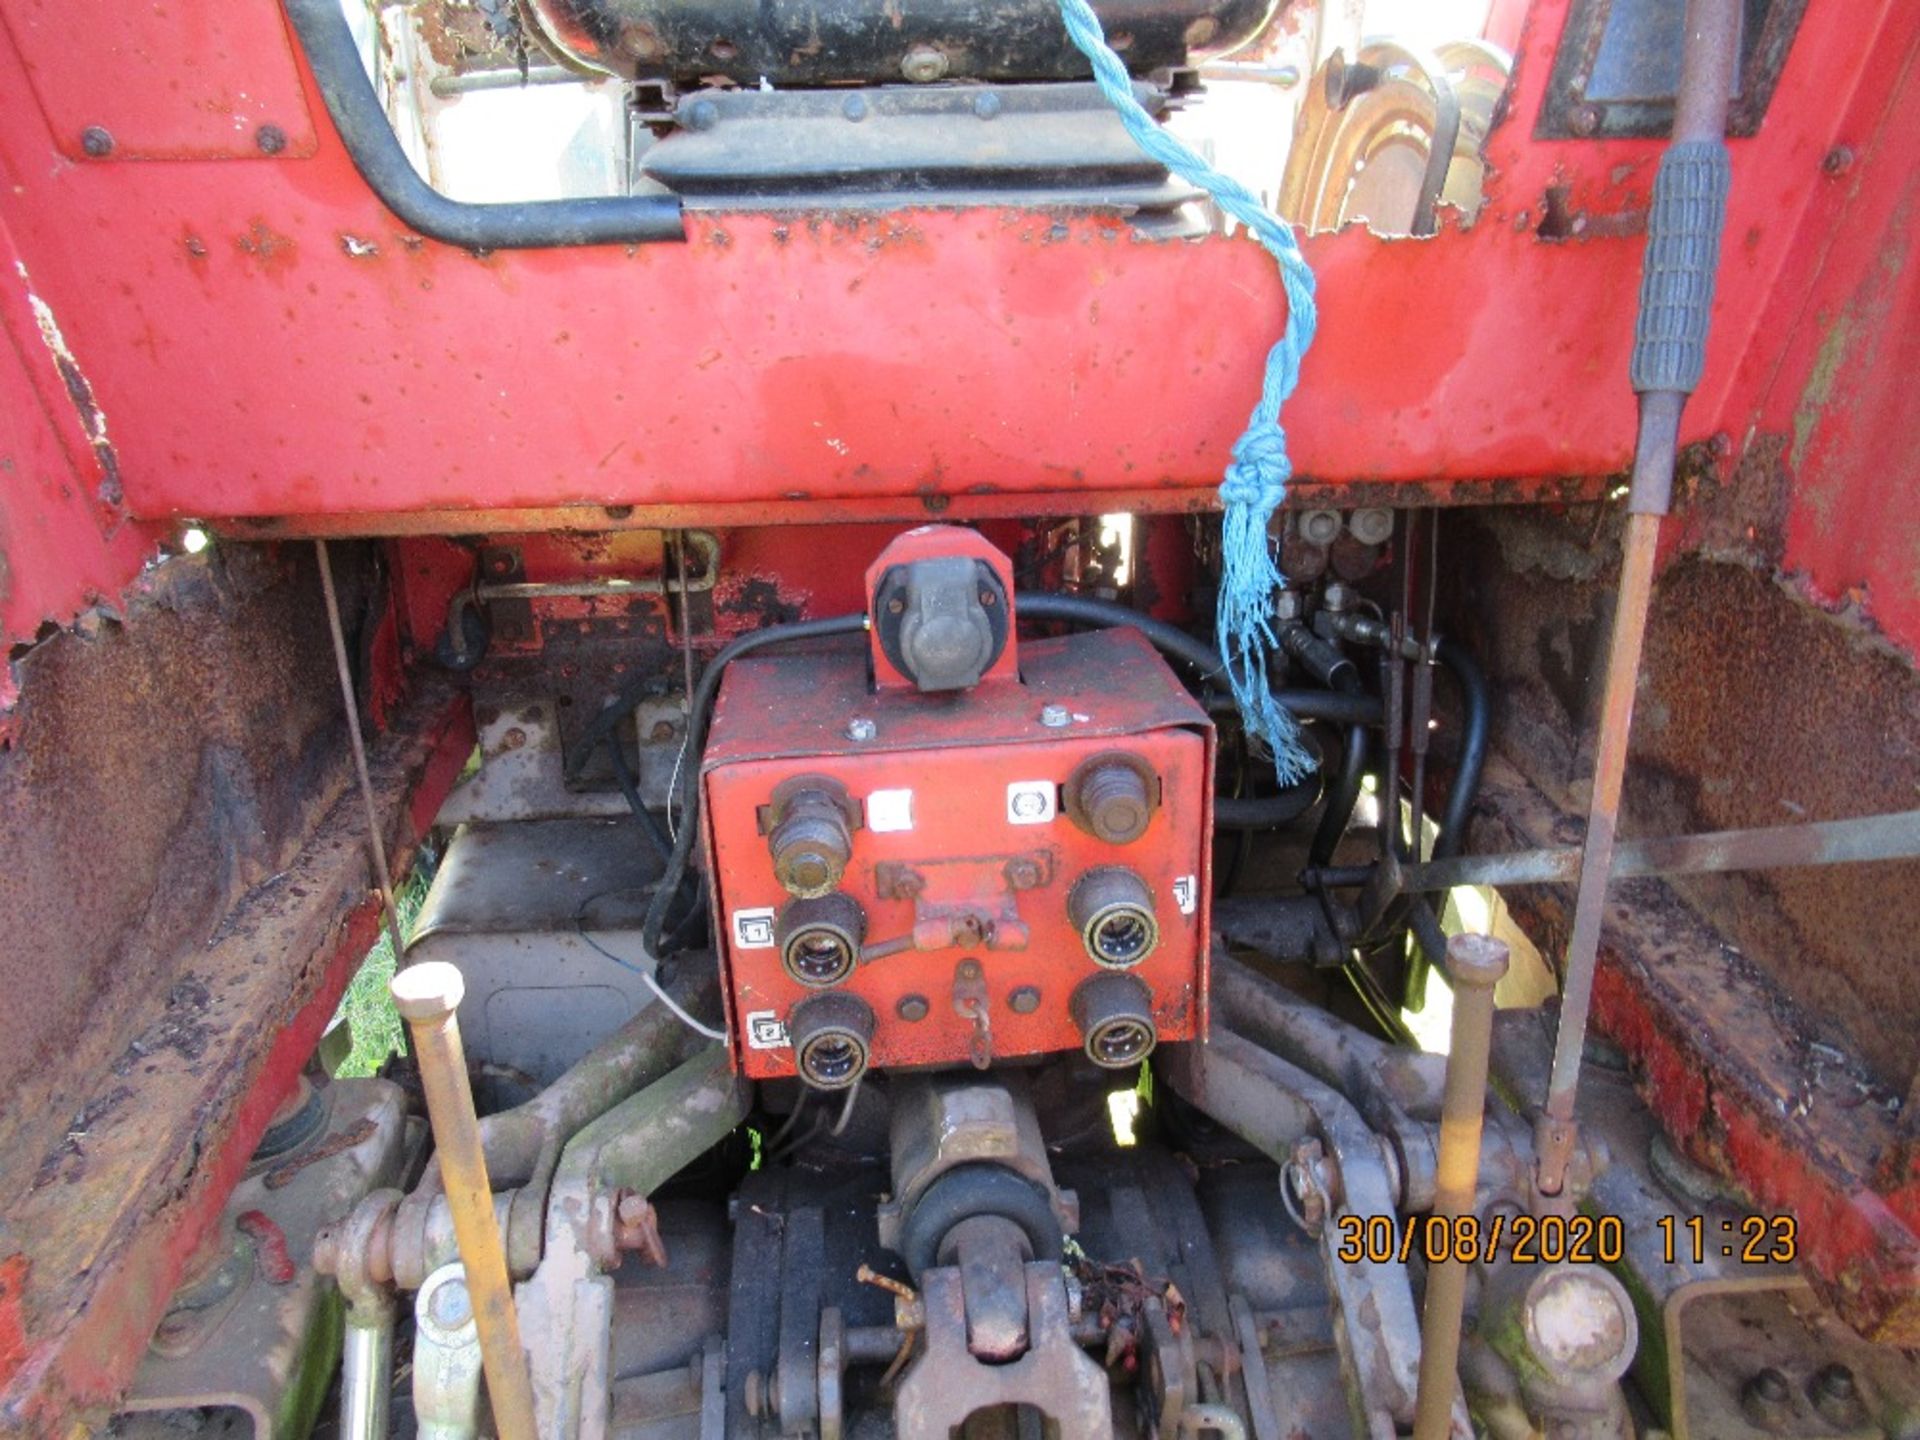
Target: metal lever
427, 997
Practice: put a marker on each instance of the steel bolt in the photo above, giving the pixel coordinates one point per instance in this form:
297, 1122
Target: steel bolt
1837, 161
271, 139
1371, 525
924, 63
912, 1008
1766, 1398
1584, 120
450, 1305
986, 105
702, 115
1024, 872
861, 729
854, 107
1836, 1396
1055, 717
1833, 1382
1320, 527
1024, 1001
96, 141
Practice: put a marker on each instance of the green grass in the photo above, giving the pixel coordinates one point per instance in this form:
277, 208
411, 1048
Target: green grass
367, 1007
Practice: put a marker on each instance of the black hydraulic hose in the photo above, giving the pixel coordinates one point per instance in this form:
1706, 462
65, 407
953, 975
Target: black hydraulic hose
1332, 706
1082, 610
1326, 660
699, 709
1303, 704
1476, 709
1266, 812
375, 150
1344, 795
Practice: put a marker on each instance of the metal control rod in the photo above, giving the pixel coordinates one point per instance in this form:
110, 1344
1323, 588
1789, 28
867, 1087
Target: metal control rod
427, 997
1475, 964
1864, 840
366, 1373
1684, 223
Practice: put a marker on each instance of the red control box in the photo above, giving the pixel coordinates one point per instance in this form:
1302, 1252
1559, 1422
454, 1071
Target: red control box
905, 878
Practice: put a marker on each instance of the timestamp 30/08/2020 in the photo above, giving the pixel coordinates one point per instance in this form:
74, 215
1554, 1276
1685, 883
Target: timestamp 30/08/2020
1552, 1239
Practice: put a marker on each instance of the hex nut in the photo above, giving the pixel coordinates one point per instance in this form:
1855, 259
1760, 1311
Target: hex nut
923, 64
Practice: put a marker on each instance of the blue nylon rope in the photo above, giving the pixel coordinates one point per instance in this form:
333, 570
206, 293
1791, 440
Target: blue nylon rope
1256, 480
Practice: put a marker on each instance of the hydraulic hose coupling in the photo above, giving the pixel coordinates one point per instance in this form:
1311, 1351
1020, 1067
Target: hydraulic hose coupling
832, 1039
1112, 797
810, 828
1115, 1016
1112, 908
820, 938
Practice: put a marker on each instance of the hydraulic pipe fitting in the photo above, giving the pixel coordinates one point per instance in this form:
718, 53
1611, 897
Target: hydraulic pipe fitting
810, 828
1112, 796
820, 938
1115, 1016
1112, 908
832, 1037
428, 997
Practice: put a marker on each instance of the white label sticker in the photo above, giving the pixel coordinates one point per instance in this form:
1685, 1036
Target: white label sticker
889, 811
753, 929
765, 1031
1186, 893
1030, 802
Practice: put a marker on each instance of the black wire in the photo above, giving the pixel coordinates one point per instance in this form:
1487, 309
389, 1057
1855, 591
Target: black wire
629, 787
699, 709
693, 921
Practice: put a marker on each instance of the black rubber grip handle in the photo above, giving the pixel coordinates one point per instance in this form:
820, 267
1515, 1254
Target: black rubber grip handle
1683, 251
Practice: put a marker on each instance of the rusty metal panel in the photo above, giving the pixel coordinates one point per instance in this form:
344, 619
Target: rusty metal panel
65, 540
959, 761
155, 80
186, 891
915, 358
1727, 1061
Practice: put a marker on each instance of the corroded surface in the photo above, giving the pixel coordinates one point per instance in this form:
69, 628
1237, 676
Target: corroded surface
186, 888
